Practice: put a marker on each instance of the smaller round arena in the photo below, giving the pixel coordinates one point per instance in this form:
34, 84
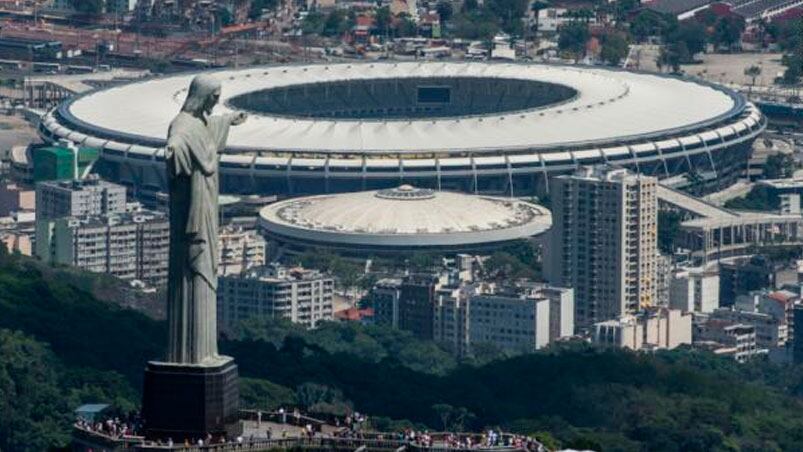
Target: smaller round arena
402, 220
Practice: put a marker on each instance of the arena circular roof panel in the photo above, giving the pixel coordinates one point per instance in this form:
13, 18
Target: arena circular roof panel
609, 106
405, 217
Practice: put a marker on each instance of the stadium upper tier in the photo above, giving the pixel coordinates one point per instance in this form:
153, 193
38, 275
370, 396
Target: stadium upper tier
372, 125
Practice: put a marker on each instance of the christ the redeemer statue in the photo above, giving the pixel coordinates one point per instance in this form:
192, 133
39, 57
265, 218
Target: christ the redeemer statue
194, 393
194, 140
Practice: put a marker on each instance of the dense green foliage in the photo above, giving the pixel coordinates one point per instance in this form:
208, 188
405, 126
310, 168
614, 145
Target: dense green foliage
370, 343
575, 396
759, 198
614, 48
91, 7
573, 37
668, 231
779, 166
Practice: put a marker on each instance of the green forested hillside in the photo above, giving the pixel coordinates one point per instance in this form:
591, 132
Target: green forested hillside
59, 347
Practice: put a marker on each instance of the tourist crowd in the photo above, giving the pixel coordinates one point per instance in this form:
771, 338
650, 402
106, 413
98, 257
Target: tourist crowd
112, 427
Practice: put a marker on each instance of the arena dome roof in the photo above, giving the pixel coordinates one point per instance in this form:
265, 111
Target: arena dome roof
404, 217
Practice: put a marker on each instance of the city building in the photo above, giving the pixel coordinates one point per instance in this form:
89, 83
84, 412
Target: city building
239, 249
354, 314
78, 198
741, 275
770, 331
663, 279
797, 341
130, 246
515, 319
62, 161
14, 197
479, 128
300, 295
516, 324
416, 304
726, 338
384, 298
604, 242
17, 242
658, 328
694, 289
778, 304
401, 220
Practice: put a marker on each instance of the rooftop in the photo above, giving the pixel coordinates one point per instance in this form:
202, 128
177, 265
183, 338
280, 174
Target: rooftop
610, 105
406, 215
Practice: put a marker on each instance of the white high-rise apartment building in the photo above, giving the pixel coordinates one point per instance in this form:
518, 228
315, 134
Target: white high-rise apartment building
694, 289
128, 246
296, 294
79, 198
239, 249
604, 242
521, 320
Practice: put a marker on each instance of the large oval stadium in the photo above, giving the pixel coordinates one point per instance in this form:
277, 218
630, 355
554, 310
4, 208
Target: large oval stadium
494, 128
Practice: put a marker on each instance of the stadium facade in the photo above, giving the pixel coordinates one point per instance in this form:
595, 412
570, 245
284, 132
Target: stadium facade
493, 128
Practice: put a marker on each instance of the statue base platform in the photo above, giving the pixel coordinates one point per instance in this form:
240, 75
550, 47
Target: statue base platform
183, 401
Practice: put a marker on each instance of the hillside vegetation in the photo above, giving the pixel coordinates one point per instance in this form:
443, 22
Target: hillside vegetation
60, 346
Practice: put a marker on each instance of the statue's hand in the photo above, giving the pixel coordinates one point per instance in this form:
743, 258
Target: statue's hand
239, 118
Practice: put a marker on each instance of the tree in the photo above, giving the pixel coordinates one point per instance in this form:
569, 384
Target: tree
794, 69
672, 56
317, 398
572, 38
90, 7
476, 24
335, 23
264, 395
786, 34
650, 23
753, 72
313, 23
779, 166
445, 10
537, 6
405, 26
692, 35
504, 266
224, 17
614, 48
508, 14
383, 17
444, 413
259, 6
728, 31
622, 8
33, 409
668, 231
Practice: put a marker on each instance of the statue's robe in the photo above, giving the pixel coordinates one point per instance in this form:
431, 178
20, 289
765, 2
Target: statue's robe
192, 169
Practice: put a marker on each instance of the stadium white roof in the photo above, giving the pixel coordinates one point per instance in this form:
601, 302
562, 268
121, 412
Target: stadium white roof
405, 216
611, 105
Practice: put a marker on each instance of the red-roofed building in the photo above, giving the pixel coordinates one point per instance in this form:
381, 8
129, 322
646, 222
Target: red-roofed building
361, 31
365, 315
430, 26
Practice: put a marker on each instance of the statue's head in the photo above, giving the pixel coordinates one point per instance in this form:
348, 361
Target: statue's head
203, 95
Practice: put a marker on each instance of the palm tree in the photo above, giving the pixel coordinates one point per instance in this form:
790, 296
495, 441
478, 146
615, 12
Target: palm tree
536, 7
753, 72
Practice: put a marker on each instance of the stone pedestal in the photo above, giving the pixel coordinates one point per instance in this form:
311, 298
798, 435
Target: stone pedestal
191, 401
